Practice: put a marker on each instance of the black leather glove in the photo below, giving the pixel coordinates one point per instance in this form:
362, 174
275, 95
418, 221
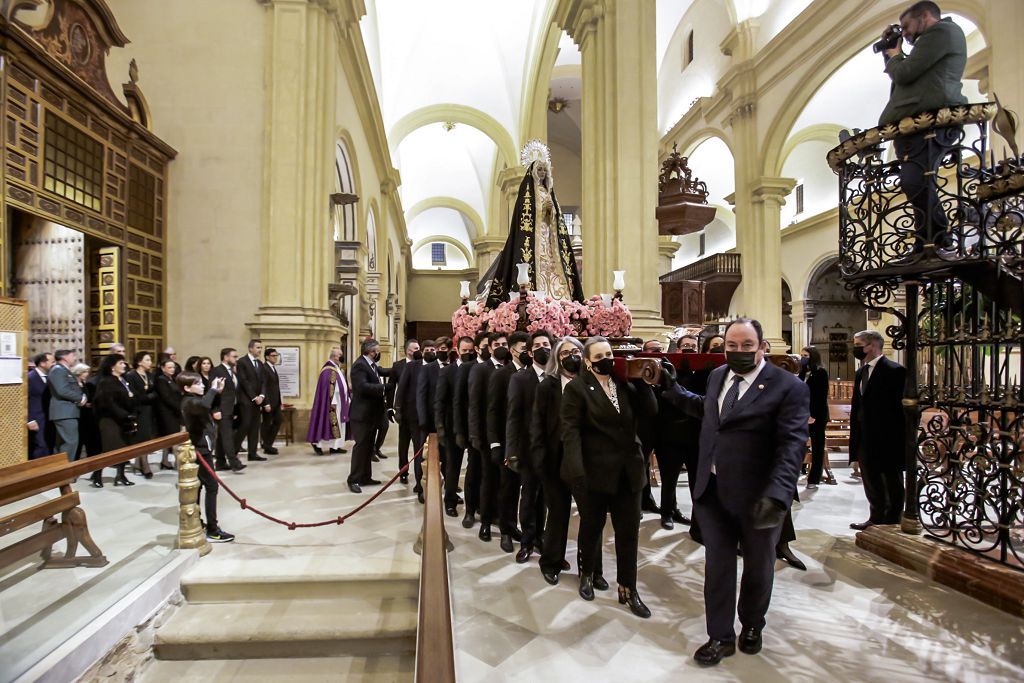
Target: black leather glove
668, 375
392, 416
497, 455
513, 463
768, 513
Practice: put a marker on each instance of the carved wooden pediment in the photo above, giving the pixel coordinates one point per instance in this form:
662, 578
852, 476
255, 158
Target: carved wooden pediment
682, 199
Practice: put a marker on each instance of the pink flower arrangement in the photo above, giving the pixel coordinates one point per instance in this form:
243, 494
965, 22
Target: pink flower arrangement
546, 314
504, 318
608, 321
578, 316
466, 323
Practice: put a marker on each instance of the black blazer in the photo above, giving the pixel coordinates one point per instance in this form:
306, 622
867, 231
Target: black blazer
367, 393
115, 410
226, 400
426, 392
394, 378
675, 429
444, 412
876, 418
38, 399
497, 405
168, 405
250, 379
479, 378
545, 428
460, 402
271, 386
403, 396
759, 446
817, 383
145, 399
522, 390
600, 444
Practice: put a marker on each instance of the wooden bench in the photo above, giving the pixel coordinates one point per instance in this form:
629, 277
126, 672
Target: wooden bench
837, 433
28, 479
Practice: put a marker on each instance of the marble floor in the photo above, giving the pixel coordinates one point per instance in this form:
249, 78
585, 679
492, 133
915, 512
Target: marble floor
850, 617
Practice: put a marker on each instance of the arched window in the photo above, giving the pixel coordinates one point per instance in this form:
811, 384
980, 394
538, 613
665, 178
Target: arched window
344, 183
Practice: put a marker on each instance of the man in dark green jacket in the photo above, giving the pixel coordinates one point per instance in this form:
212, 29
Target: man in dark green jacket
928, 78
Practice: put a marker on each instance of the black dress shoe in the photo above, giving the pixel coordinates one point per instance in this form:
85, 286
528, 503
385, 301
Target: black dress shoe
459, 500
270, 451
370, 482
649, 505
666, 524
861, 526
338, 450
147, 475
354, 488
468, 520
549, 576
679, 518
787, 556
404, 478
628, 596
381, 455
517, 535
587, 586
506, 543
750, 640
566, 566
317, 450
713, 651
220, 466
374, 458
123, 481
256, 458
451, 512
600, 583
523, 556
485, 532
419, 498
97, 483
165, 466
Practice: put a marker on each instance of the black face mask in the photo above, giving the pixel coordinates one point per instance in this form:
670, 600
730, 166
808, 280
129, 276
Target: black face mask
859, 353
469, 357
485, 355
741, 362
375, 356
716, 349
688, 351
541, 356
429, 357
417, 355
604, 366
502, 354
571, 365
525, 359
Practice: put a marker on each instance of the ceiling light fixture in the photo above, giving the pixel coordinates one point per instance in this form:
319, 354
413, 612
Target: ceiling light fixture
557, 104
448, 126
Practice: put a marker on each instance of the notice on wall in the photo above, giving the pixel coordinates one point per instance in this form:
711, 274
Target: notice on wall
8, 344
11, 370
288, 371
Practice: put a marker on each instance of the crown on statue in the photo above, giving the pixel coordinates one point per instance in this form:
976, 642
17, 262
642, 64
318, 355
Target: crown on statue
534, 150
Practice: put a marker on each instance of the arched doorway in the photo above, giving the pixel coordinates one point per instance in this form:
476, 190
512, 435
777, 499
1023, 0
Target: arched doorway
833, 315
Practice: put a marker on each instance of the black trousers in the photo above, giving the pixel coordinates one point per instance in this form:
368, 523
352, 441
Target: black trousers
227, 447
531, 508
471, 486
921, 154
817, 431
408, 433
724, 526
670, 464
490, 485
422, 434
508, 499
207, 488
249, 426
270, 427
558, 497
624, 507
648, 495
884, 490
452, 472
382, 432
690, 457
365, 435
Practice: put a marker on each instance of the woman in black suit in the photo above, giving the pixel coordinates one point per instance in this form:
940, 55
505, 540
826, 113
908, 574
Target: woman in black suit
602, 457
204, 366
114, 407
816, 378
168, 407
140, 380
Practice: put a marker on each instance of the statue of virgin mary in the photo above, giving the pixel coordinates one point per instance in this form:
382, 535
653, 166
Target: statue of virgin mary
537, 236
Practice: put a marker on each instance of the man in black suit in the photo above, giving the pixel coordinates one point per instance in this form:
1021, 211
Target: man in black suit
497, 409
406, 399
250, 398
481, 354
490, 471
522, 391
408, 427
272, 405
752, 442
39, 405
444, 420
878, 429
224, 408
365, 414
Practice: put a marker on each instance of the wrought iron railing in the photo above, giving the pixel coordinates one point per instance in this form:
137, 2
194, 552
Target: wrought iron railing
954, 250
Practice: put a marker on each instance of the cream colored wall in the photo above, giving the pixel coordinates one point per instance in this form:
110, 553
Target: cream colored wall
435, 295
201, 69
567, 167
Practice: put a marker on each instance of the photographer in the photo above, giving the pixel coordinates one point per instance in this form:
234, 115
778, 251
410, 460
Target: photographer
928, 78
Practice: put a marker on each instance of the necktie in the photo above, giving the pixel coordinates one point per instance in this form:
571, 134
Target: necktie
865, 374
731, 397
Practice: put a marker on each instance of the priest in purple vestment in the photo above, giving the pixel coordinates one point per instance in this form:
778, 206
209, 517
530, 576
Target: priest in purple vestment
328, 421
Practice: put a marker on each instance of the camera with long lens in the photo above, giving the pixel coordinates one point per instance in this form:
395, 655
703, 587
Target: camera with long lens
889, 39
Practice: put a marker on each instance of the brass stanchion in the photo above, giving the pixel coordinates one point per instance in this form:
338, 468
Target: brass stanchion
190, 529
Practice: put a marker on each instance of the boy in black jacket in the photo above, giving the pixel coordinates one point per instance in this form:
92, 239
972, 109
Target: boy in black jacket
196, 411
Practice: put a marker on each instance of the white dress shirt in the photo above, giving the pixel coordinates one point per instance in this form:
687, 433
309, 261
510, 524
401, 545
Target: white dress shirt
745, 383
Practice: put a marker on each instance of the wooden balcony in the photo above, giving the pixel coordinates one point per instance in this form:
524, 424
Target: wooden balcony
720, 274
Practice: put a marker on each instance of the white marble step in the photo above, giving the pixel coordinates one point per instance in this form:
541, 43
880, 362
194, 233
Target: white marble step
339, 627
382, 669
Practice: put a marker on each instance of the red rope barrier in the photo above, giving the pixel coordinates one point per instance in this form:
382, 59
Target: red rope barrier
292, 526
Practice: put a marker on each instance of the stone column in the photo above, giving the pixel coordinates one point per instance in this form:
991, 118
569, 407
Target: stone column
1006, 59
487, 249
508, 188
801, 324
298, 256
667, 248
620, 149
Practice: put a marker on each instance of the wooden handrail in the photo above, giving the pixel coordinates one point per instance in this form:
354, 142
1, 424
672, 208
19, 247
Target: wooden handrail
435, 649
42, 474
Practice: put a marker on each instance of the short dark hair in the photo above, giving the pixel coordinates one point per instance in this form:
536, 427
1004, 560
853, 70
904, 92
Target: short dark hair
190, 364
518, 336
137, 358
446, 341
688, 336
815, 357
61, 354
368, 344
541, 333
746, 321
108, 363
410, 341
495, 336
479, 338
40, 358
225, 351
656, 341
186, 379
254, 342
269, 350
464, 338
428, 342
922, 7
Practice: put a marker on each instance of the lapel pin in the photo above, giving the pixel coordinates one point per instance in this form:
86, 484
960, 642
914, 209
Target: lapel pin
760, 386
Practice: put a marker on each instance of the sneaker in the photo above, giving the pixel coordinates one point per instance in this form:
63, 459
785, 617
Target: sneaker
219, 536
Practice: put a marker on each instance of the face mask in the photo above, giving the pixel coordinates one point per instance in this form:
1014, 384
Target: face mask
859, 353
741, 362
716, 349
604, 366
502, 354
375, 356
804, 361
469, 357
525, 359
485, 354
689, 351
429, 357
417, 355
571, 365
541, 356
